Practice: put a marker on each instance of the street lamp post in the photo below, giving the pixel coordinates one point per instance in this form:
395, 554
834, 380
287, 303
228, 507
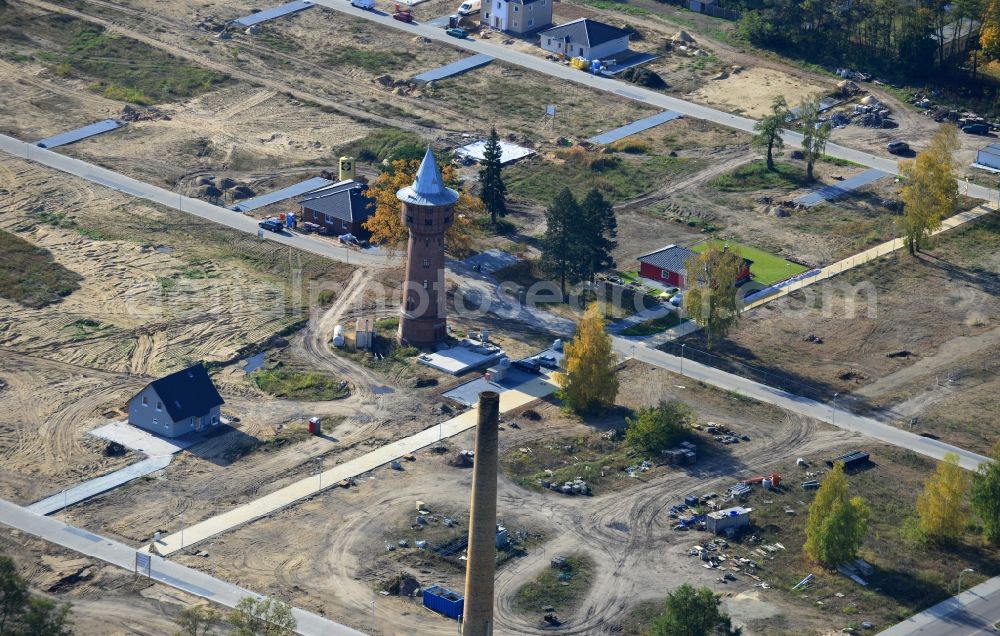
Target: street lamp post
182, 531
960, 578
682, 357
833, 412
374, 622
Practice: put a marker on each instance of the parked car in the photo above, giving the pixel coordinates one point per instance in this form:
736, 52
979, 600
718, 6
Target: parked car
677, 300
457, 32
549, 362
527, 365
976, 129
470, 6
402, 15
367, 5
271, 225
897, 147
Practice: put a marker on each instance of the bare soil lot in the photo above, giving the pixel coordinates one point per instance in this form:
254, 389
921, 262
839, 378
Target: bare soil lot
922, 330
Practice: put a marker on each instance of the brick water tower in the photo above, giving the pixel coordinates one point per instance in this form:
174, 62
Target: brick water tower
428, 212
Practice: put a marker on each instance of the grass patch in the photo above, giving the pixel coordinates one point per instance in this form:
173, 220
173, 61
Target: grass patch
766, 269
654, 326
84, 328
619, 177
373, 61
620, 7
387, 143
389, 324
599, 462
756, 176
30, 276
562, 590
125, 69
299, 385
837, 161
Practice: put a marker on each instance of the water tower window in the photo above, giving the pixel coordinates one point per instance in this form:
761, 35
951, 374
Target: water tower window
427, 262
409, 218
447, 218
428, 221
427, 242
425, 284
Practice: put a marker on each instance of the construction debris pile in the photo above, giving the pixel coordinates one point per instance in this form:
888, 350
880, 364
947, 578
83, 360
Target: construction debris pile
685, 455
573, 487
725, 435
142, 113
717, 554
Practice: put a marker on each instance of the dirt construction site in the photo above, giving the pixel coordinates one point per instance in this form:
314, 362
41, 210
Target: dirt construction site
116, 291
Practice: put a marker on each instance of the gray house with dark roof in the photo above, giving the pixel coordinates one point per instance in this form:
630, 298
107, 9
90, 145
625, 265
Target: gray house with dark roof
589, 39
177, 404
341, 208
520, 17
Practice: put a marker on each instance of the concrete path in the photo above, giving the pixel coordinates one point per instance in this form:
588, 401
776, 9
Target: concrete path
974, 611
455, 68
96, 486
841, 189
509, 400
797, 404
196, 207
172, 574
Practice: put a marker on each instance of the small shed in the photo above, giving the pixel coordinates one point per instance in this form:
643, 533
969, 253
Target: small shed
989, 156
364, 334
722, 520
852, 460
444, 601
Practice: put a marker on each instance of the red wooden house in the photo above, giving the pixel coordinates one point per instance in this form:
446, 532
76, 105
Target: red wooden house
668, 266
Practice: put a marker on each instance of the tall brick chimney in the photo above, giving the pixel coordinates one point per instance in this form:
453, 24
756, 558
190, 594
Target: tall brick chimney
481, 565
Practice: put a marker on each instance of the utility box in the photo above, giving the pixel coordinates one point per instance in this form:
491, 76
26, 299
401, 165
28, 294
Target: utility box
314, 426
444, 601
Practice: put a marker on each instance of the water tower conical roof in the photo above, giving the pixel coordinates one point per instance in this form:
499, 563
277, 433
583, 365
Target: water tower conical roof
428, 187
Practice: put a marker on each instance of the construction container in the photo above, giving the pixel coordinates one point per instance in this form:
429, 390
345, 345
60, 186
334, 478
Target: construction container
722, 520
989, 156
314, 426
338, 336
853, 459
444, 601
692, 500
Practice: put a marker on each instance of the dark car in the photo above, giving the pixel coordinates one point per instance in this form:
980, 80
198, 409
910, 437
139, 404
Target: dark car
457, 32
897, 147
527, 365
976, 129
272, 225
403, 16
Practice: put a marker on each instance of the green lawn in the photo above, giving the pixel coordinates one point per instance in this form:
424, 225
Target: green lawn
766, 269
299, 385
755, 176
562, 590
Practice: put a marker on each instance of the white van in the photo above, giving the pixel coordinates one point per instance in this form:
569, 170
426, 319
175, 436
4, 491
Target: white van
470, 6
364, 4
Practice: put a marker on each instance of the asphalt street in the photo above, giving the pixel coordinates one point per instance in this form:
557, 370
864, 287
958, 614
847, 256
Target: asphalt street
172, 574
974, 611
196, 207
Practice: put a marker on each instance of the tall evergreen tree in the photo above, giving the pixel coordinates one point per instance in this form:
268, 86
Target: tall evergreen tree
494, 190
598, 227
986, 496
560, 248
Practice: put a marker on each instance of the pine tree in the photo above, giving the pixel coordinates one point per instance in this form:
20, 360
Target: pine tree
711, 298
930, 189
560, 248
814, 134
767, 132
589, 384
494, 190
941, 507
598, 227
837, 524
986, 496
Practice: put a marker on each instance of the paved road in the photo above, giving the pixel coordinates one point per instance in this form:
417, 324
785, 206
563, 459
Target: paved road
493, 48
196, 207
974, 611
172, 574
797, 404
511, 399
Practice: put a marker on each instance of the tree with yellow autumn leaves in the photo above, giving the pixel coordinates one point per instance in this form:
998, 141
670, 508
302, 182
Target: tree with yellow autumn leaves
589, 385
942, 507
930, 188
386, 224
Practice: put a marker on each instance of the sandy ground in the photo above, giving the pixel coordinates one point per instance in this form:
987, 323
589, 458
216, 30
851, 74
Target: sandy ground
346, 530
751, 91
106, 600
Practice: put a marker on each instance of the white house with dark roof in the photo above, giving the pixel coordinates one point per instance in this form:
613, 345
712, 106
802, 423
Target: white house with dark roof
177, 404
520, 17
586, 38
341, 207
